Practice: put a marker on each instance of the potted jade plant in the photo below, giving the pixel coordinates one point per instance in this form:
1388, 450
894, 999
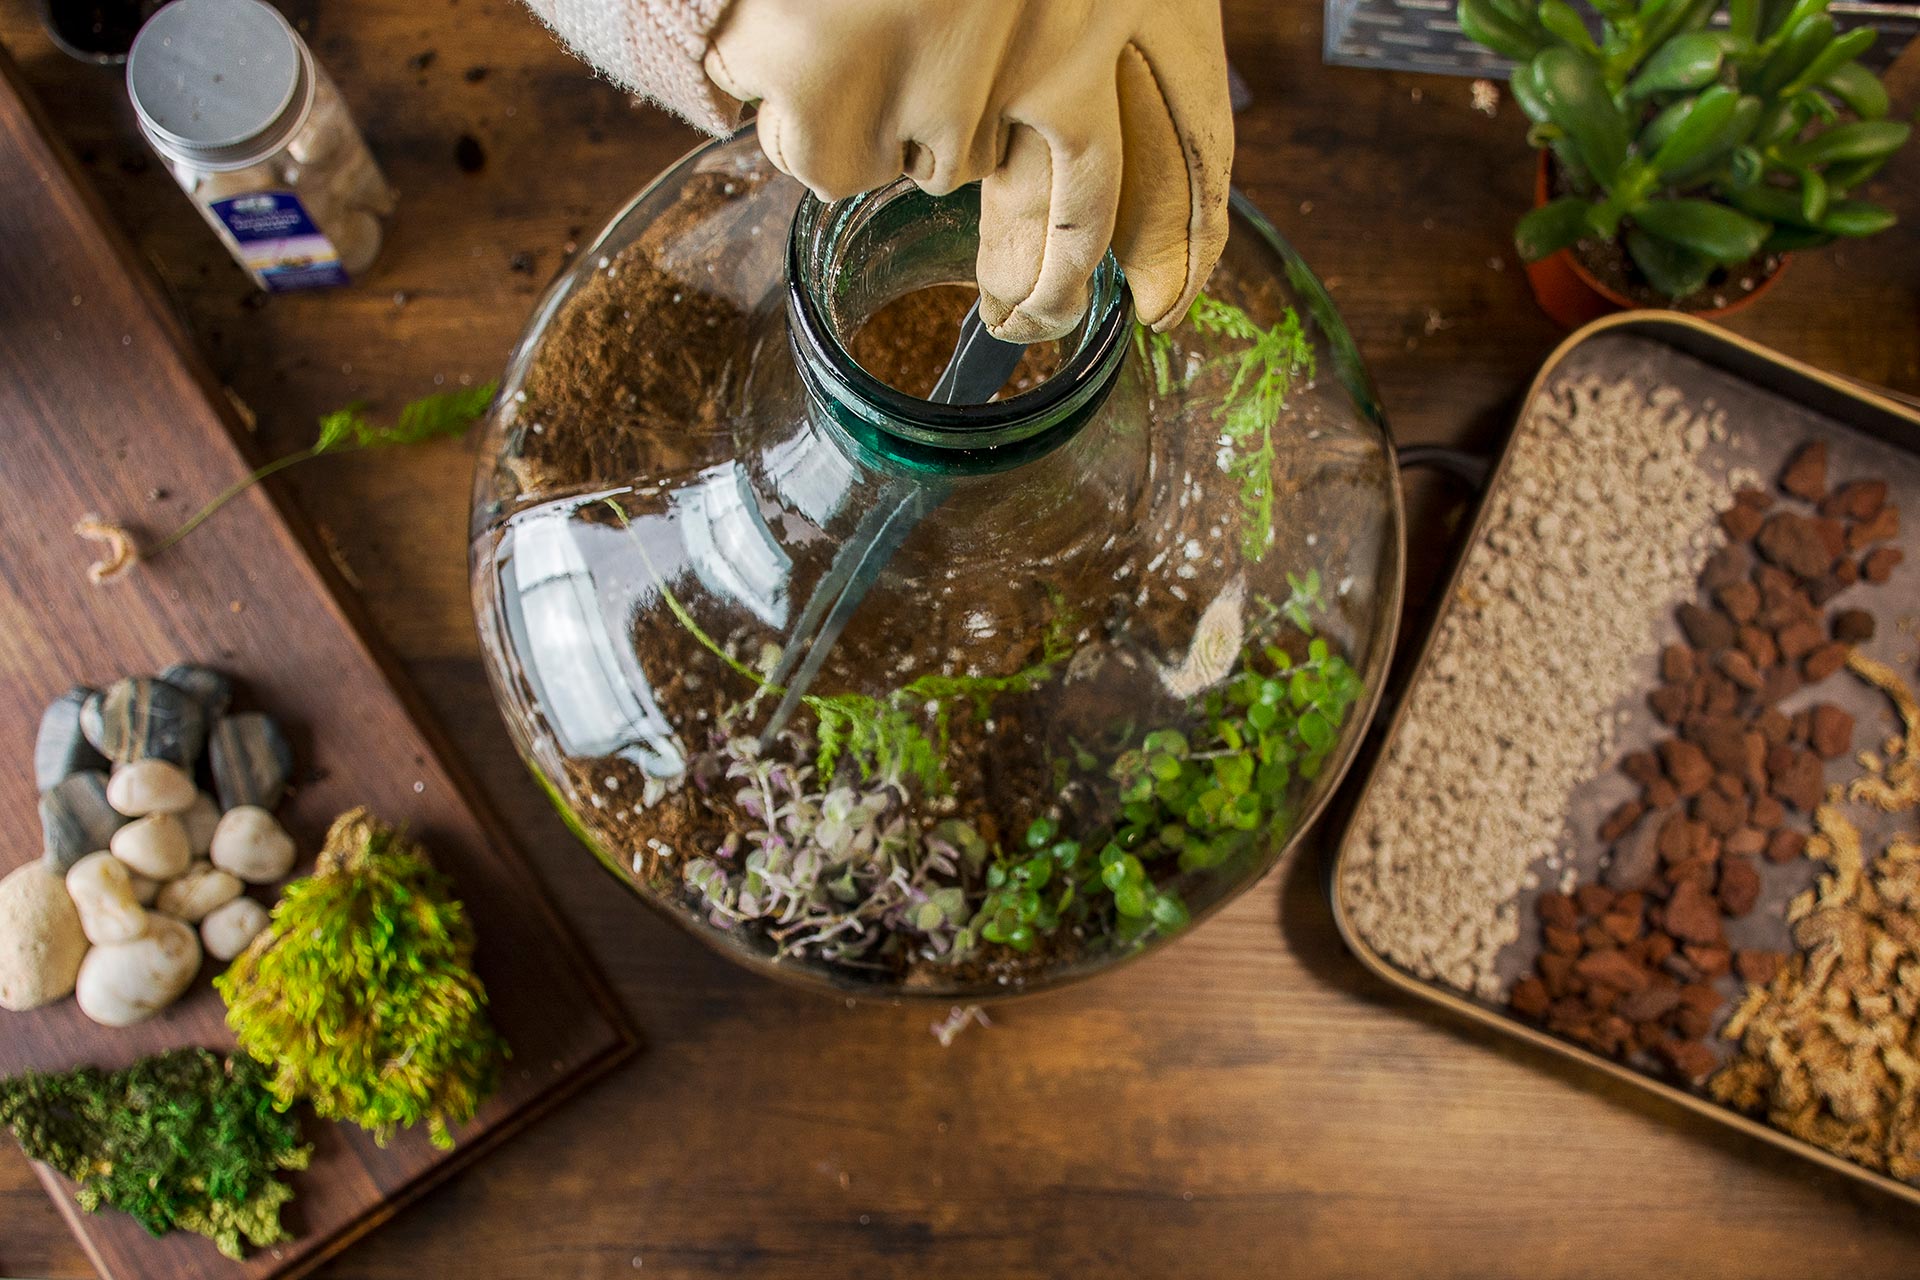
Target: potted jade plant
1689, 147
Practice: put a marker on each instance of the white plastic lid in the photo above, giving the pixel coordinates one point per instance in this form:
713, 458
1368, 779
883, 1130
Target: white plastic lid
219, 83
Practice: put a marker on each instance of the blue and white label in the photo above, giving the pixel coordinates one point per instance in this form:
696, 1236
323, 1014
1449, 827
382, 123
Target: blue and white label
279, 243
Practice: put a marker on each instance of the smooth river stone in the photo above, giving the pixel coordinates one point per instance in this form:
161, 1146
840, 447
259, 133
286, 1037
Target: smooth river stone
213, 691
251, 761
76, 820
60, 749
140, 718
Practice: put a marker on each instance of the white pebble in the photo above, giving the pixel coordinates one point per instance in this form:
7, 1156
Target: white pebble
129, 982
150, 786
145, 888
102, 893
41, 943
201, 890
251, 843
155, 846
229, 929
200, 819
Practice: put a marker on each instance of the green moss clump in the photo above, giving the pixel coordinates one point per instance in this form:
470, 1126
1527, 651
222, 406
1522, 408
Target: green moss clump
186, 1140
360, 996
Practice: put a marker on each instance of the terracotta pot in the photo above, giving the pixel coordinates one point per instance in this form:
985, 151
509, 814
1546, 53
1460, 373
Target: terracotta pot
1572, 295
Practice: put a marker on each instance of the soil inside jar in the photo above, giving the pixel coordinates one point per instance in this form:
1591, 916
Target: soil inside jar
907, 343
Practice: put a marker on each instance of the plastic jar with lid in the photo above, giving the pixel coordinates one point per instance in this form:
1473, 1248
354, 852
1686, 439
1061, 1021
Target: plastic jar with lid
256, 133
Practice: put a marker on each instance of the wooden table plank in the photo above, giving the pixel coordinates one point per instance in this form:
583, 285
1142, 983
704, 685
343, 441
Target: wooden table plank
1321, 1125
99, 407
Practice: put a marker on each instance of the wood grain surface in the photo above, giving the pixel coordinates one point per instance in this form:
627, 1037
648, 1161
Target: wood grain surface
1247, 1102
97, 402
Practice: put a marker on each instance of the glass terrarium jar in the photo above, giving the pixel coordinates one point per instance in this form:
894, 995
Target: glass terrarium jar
896, 696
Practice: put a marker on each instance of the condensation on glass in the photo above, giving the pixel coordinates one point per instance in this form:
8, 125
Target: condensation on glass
896, 697
256, 133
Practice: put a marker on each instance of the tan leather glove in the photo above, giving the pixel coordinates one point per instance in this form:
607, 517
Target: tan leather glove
1088, 122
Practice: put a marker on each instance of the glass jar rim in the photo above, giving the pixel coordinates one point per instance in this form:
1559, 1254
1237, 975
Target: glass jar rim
821, 229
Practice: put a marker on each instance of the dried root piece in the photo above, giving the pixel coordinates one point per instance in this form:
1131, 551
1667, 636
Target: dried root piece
1830, 1048
119, 551
1891, 786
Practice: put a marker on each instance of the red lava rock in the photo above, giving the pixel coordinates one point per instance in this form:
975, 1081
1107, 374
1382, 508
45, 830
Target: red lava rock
1669, 703
1758, 968
1768, 813
1730, 786
1758, 646
1675, 841
1636, 859
1879, 564
1686, 765
1707, 629
1772, 725
1795, 544
1847, 572
1529, 998
1564, 942
1692, 915
1746, 842
1698, 870
1659, 794
1612, 969
1676, 663
1556, 971
1722, 816
1856, 500
1798, 640
1711, 960
1805, 475
1884, 527
1833, 535
1624, 927
1651, 1003
1642, 766
1741, 522
1800, 785
1557, 909
1724, 739
1621, 820
1832, 732
1730, 564
1785, 845
1691, 1060
1739, 886
1825, 660
1853, 626
1739, 668
1828, 585
1593, 899
1781, 682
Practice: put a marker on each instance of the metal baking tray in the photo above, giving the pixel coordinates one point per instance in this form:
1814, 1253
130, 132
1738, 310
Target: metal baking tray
1773, 404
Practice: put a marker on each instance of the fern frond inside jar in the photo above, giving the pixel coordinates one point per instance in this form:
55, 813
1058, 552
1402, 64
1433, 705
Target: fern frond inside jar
893, 695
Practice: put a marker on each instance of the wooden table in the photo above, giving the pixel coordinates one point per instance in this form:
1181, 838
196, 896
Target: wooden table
1246, 1103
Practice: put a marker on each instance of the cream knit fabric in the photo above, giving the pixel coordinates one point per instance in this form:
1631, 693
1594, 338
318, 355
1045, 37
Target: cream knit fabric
649, 47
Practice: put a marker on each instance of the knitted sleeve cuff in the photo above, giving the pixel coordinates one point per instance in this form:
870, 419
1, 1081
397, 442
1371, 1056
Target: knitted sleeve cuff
649, 47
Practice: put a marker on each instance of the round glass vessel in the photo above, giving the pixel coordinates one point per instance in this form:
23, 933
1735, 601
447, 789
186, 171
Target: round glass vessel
896, 696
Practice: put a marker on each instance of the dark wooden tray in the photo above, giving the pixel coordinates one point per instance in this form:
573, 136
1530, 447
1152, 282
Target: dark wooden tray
103, 402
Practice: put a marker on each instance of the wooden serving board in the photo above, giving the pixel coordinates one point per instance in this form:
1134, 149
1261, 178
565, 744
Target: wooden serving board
103, 402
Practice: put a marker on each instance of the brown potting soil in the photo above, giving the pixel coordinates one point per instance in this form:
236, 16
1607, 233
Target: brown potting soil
907, 342
1609, 262
1611, 265
634, 372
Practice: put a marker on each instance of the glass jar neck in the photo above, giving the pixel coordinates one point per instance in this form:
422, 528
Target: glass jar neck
848, 259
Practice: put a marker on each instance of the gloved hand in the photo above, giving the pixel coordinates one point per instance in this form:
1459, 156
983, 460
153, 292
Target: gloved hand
1088, 123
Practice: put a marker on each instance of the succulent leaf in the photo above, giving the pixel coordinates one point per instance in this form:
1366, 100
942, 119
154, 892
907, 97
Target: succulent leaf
1713, 231
1552, 227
